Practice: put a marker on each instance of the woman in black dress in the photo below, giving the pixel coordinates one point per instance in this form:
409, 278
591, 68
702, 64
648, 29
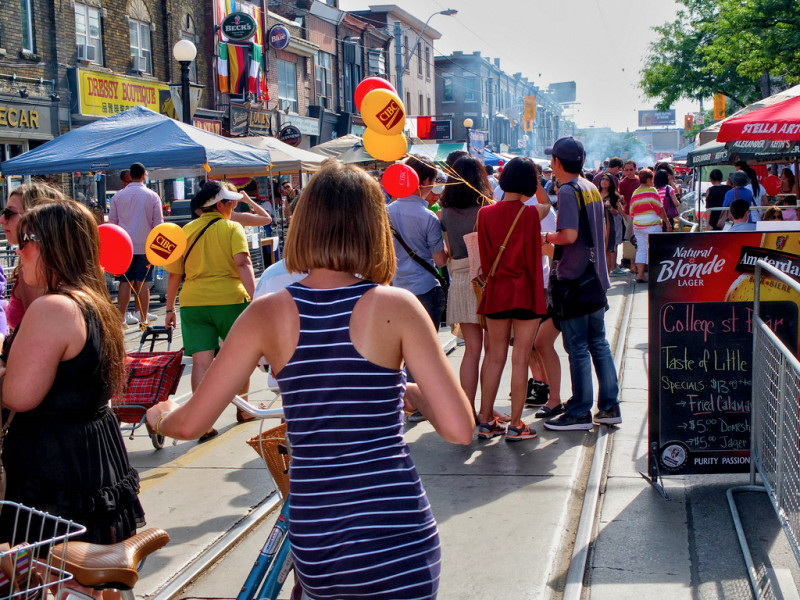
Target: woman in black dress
63, 452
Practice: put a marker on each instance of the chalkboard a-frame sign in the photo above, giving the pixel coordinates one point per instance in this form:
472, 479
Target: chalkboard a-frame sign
701, 345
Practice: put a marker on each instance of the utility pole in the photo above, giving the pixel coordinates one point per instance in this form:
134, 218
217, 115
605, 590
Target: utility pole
398, 56
490, 98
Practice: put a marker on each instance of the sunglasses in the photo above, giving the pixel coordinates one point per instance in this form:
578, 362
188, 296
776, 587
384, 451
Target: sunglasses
7, 213
28, 237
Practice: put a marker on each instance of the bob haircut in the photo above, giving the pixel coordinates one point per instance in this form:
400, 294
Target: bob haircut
470, 187
645, 175
519, 176
341, 223
661, 178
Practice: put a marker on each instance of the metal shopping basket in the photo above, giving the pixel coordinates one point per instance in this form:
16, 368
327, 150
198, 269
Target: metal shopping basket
151, 377
27, 569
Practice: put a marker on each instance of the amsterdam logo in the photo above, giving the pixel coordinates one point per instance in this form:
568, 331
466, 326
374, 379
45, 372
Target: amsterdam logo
390, 115
238, 26
162, 246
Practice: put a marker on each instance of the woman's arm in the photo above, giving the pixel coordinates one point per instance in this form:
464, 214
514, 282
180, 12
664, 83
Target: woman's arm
667, 221
244, 266
53, 330
229, 371
436, 393
261, 216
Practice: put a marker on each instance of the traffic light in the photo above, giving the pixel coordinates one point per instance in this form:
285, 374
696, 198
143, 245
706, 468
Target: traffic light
688, 122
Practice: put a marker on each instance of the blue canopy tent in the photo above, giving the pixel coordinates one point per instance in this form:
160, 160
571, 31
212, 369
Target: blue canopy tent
166, 147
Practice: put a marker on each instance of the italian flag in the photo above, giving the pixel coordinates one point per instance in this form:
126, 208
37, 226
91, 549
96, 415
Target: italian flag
255, 70
222, 67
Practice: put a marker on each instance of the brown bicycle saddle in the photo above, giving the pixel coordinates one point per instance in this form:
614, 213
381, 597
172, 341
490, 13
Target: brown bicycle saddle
109, 565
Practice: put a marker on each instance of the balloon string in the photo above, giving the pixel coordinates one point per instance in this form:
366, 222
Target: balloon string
136, 302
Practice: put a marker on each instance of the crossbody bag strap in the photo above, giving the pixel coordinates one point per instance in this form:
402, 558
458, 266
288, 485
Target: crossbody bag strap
505, 241
197, 239
419, 260
583, 221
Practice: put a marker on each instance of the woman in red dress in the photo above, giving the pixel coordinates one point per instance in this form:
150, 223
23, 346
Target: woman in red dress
514, 295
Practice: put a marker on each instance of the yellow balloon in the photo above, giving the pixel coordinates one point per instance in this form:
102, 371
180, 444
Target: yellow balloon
383, 112
387, 148
165, 244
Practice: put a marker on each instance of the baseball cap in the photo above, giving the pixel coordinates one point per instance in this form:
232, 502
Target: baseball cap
547, 170
567, 148
739, 178
211, 193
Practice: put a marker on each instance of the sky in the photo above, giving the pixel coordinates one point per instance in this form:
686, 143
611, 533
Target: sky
600, 44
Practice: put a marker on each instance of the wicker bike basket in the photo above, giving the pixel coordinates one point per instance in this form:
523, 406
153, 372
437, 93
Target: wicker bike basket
270, 446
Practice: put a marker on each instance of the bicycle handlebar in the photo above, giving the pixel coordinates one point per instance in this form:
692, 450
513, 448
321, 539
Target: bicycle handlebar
258, 413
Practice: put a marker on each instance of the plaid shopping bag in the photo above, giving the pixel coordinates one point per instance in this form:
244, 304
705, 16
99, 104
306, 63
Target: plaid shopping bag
151, 378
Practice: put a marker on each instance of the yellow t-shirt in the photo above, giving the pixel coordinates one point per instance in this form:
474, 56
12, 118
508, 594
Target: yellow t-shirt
211, 275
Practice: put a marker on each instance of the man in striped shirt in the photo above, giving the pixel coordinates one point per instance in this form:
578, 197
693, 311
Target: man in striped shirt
137, 209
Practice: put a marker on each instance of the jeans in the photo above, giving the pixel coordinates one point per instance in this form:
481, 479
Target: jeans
585, 341
434, 301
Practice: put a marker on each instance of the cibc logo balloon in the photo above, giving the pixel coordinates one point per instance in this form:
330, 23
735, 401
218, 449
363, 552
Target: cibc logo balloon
369, 84
400, 181
387, 148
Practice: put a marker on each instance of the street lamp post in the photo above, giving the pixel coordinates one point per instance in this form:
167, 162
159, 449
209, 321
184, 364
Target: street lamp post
447, 12
184, 51
468, 125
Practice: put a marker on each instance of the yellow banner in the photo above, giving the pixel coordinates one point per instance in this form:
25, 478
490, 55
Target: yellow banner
103, 94
530, 108
719, 107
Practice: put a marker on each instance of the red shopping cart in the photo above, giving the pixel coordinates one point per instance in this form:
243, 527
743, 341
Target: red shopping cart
151, 378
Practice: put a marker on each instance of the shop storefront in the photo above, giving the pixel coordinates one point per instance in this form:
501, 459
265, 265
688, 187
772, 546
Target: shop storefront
309, 128
24, 124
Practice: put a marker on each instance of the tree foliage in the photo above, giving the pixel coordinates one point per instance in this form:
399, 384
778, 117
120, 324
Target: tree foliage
723, 46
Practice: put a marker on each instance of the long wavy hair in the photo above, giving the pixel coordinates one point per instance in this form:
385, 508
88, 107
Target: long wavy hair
470, 188
69, 248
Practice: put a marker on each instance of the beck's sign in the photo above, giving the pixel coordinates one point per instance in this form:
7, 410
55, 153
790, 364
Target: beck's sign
239, 26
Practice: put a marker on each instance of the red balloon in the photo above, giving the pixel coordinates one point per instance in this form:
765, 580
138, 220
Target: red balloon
773, 185
499, 170
400, 181
116, 248
501, 162
369, 84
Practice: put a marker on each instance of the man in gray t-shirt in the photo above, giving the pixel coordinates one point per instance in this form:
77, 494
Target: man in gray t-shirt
584, 336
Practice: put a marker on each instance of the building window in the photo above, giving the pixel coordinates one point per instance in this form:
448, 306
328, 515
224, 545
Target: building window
406, 52
26, 12
193, 65
472, 89
429, 106
287, 84
375, 62
324, 79
428, 62
419, 59
88, 33
408, 99
447, 89
352, 61
141, 54
421, 106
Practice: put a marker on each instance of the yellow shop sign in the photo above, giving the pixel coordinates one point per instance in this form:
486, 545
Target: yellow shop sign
102, 94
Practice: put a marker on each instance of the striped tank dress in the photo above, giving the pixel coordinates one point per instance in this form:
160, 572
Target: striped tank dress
360, 525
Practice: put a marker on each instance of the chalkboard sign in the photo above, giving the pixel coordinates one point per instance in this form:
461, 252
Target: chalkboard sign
704, 381
701, 345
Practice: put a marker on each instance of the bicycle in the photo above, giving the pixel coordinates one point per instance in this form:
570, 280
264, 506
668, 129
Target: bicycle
274, 562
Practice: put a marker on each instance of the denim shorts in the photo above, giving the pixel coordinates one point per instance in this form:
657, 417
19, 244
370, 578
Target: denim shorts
140, 270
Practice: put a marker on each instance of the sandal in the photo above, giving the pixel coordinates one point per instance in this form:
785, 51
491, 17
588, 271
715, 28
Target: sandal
211, 433
501, 417
243, 417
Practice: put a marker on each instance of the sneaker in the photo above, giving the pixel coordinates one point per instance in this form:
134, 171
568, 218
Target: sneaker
523, 432
416, 417
611, 416
538, 393
625, 263
151, 318
130, 319
487, 431
548, 413
618, 271
567, 422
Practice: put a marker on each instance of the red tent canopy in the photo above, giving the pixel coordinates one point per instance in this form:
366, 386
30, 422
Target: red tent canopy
779, 122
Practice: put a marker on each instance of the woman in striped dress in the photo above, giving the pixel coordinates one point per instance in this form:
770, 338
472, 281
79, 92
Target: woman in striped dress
360, 522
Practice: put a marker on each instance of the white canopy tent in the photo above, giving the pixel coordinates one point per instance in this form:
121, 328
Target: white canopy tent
286, 159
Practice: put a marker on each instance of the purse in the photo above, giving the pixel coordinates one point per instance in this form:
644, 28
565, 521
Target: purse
669, 206
479, 282
571, 298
